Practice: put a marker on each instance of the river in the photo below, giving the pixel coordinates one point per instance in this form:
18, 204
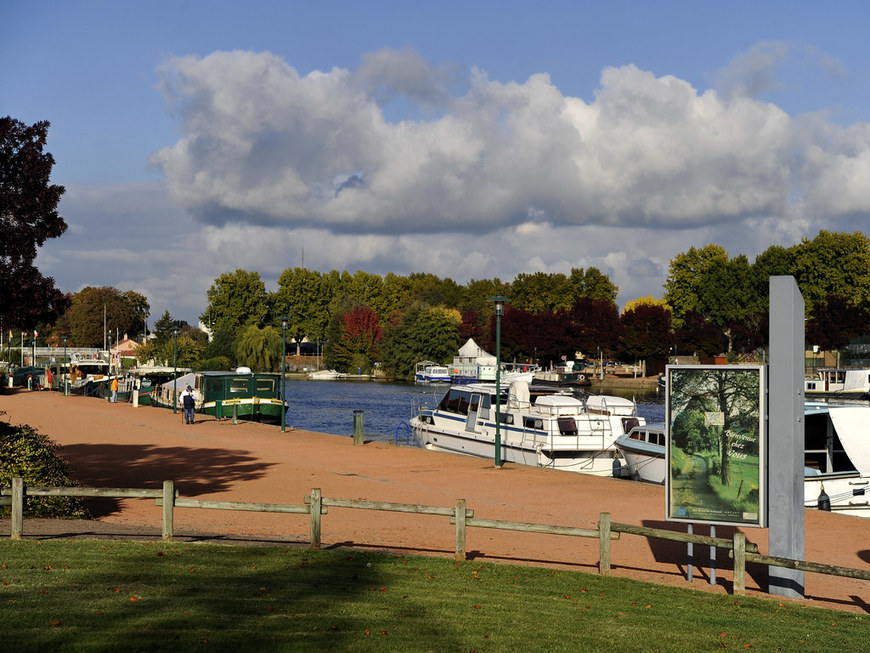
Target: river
328, 406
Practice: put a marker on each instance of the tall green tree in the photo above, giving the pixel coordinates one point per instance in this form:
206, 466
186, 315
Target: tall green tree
541, 291
419, 333
91, 306
833, 264
592, 283
299, 297
260, 349
236, 300
685, 278
28, 213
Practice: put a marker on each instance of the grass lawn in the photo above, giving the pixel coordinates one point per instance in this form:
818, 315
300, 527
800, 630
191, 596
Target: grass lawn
95, 595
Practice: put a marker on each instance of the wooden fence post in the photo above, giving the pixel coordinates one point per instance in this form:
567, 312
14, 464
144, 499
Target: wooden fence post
604, 544
17, 527
460, 529
739, 563
315, 506
168, 509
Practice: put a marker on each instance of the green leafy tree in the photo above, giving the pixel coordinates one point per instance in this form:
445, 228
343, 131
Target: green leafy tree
685, 278
260, 349
223, 345
28, 213
236, 300
299, 297
540, 291
163, 329
833, 264
592, 283
419, 333
91, 306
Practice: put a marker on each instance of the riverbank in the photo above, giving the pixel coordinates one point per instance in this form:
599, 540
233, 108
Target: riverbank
117, 445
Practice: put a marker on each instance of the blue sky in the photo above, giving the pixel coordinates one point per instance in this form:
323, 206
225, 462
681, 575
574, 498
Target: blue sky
466, 139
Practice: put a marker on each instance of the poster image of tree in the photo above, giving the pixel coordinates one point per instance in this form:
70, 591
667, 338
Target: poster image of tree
716, 445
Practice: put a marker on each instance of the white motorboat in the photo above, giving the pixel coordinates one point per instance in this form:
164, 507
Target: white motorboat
558, 430
840, 385
836, 456
644, 451
325, 375
429, 372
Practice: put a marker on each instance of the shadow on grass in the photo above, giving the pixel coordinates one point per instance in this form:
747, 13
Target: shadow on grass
195, 471
166, 597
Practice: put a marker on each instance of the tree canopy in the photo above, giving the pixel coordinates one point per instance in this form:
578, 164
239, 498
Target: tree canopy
28, 217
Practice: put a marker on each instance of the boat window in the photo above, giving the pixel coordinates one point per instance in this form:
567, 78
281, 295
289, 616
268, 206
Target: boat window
505, 418
213, 385
811, 386
533, 423
462, 409
636, 435
567, 426
629, 423
475, 403
266, 386
239, 385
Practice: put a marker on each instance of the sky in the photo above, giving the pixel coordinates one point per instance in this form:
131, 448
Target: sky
471, 140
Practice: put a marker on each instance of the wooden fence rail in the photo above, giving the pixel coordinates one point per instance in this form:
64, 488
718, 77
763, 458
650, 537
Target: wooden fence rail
315, 505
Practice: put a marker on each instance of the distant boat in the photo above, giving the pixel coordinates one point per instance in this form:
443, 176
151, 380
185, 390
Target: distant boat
429, 372
644, 451
325, 375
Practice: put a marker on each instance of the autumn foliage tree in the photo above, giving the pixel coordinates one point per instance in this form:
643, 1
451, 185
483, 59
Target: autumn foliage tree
359, 334
29, 217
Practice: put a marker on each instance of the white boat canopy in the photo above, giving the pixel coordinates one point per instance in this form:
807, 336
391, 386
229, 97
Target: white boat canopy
851, 423
471, 352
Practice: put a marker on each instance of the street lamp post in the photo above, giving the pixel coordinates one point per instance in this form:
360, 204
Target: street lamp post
109, 378
284, 320
175, 370
66, 374
498, 301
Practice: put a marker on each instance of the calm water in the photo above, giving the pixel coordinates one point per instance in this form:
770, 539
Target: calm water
328, 406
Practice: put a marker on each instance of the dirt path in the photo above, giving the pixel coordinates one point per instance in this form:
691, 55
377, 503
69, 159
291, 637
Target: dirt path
116, 445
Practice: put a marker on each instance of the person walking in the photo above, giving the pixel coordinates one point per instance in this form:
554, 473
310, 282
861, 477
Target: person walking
188, 404
115, 390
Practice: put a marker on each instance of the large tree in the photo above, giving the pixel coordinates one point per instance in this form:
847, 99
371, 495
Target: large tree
28, 217
646, 331
95, 313
236, 300
300, 299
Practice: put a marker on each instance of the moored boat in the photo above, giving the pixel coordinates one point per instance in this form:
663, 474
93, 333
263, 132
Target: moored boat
644, 451
542, 428
325, 375
430, 372
247, 395
839, 385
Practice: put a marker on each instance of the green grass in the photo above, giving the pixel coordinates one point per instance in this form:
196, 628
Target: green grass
80, 595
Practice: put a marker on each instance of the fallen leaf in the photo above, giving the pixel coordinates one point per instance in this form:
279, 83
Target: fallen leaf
56, 622
477, 607
368, 632
383, 632
134, 598
160, 553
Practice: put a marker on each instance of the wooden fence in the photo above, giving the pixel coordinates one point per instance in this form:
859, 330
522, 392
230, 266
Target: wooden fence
461, 517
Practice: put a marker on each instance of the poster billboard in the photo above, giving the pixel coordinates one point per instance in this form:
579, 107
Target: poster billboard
716, 454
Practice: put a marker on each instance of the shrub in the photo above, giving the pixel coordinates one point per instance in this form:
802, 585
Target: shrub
31, 455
